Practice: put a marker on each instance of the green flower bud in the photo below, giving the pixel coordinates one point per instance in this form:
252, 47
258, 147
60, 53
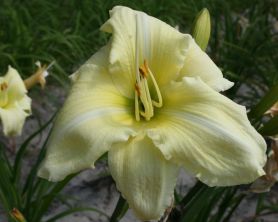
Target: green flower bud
201, 29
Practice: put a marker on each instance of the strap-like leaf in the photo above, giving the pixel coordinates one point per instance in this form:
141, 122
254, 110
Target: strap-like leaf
266, 102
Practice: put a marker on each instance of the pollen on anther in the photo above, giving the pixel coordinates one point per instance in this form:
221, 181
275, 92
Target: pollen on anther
3, 86
143, 72
137, 89
143, 69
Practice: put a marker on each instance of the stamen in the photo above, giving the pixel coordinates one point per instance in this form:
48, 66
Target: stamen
143, 95
144, 105
144, 70
159, 103
3, 86
137, 112
158, 93
137, 89
146, 100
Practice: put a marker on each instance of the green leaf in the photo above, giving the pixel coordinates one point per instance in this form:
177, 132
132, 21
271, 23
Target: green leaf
202, 206
9, 194
225, 204
73, 210
237, 200
43, 204
270, 128
266, 102
120, 210
194, 191
260, 203
23, 147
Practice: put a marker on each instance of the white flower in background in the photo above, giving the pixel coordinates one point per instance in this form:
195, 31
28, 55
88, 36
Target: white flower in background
15, 105
151, 98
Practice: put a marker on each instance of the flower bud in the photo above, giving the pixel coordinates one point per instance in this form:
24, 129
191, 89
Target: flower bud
17, 215
201, 29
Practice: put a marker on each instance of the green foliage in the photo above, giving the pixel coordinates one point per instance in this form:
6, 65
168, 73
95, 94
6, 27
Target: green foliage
243, 41
120, 210
265, 103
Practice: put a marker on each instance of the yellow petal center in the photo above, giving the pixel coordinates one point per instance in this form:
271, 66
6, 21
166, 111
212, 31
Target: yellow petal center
3, 94
144, 102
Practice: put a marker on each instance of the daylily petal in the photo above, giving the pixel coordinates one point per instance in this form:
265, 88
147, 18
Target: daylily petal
198, 64
208, 134
94, 116
16, 88
144, 177
13, 116
137, 36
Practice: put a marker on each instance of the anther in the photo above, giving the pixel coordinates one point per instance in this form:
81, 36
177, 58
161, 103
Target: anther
137, 89
3, 86
3, 94
144, 69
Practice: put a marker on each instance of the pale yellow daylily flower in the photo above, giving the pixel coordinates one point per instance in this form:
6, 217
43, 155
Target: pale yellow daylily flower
15, 105
150, 98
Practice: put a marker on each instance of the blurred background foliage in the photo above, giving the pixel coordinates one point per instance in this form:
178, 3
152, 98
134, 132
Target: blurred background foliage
243, 41
244, 44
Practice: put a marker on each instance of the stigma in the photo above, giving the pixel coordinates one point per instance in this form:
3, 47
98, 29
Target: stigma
144, 101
